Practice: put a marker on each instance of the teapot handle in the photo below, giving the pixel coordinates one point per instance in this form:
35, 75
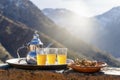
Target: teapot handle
18, 54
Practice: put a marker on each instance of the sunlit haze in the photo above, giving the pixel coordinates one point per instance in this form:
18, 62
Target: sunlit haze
86, 8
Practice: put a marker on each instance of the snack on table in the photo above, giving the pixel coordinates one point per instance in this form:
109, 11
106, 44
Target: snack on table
85, 63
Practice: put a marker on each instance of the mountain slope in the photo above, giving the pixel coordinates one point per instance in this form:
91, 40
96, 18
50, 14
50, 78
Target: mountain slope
37, 20
13, 35
26, 13
108, 33
4, 55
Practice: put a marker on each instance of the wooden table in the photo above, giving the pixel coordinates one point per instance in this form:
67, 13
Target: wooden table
9, 73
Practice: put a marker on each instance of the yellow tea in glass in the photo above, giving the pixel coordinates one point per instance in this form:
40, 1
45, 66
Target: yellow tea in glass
61, 58
51, 59
62, 55
41, 57
51, 56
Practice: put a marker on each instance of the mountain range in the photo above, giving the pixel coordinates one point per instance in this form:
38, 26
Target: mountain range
20, 18
101, 31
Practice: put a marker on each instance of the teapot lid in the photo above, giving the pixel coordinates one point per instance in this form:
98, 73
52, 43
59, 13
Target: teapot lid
36, 40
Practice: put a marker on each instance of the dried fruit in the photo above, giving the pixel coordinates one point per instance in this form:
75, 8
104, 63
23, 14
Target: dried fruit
85, 63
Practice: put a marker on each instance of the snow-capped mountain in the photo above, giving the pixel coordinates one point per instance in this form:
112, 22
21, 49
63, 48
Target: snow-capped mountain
112, 15
17, 3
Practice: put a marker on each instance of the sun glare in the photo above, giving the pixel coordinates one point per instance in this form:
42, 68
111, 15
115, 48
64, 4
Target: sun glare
79, 7
82, 25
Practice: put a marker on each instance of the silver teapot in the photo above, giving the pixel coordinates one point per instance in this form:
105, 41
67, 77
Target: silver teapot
32, 47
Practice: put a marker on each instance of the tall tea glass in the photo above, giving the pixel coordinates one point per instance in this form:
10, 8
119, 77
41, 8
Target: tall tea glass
41, 56
51, 56
62, 55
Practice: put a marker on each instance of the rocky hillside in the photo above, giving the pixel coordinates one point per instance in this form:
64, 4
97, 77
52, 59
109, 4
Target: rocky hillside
20, 18
4, 55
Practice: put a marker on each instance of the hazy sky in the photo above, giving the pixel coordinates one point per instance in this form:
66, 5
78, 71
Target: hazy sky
81, 7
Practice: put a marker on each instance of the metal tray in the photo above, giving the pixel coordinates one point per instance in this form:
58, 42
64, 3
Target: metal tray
23, 65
